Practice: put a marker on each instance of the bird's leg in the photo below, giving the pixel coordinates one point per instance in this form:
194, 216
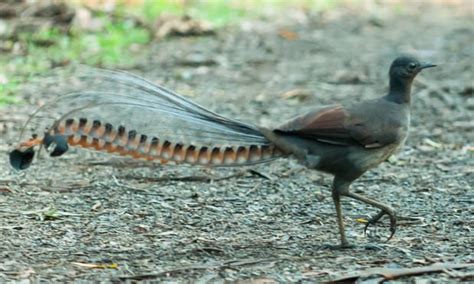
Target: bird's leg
336, 196
340, 188
337, 190
384, 210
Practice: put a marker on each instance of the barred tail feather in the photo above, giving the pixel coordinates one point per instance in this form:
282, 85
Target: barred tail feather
121, 113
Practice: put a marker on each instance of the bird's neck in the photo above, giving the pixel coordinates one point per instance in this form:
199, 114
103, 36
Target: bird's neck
400, 90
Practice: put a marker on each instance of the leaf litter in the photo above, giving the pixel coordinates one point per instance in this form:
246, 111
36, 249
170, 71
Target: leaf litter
131, 221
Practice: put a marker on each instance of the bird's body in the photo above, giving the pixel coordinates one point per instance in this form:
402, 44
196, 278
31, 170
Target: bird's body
343, 140
336, 140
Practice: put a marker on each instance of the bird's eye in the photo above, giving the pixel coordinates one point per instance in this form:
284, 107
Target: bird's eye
412, 66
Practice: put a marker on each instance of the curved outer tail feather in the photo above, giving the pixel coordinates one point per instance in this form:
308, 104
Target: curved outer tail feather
124, 114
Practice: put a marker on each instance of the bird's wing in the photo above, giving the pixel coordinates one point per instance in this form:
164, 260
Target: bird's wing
337, 125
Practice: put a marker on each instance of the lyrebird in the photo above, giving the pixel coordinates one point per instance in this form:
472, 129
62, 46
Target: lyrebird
124, 114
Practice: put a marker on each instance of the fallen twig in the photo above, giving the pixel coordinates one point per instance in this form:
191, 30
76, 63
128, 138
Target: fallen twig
187, 178
215, 266
121, 163
394, 273
177, 270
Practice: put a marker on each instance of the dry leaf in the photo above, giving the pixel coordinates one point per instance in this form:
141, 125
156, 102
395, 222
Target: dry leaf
288, 34
432, 143
181, 26
257, 281
299, 94
95, 265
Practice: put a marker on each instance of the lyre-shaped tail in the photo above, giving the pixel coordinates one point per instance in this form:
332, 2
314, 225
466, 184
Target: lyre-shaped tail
117, 112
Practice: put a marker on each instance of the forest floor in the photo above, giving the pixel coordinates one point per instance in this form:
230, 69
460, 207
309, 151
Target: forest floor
90, 216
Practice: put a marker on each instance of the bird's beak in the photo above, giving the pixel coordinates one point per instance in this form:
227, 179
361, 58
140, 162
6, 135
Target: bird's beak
427, 65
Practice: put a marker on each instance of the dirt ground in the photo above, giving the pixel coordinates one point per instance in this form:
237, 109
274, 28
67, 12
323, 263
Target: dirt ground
90, 216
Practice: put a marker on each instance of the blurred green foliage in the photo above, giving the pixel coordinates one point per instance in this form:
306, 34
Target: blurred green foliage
217, 12
51, 47
6, 92
223, 12
118, 42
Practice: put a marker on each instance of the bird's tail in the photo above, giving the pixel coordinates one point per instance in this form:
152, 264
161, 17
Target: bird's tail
121, 113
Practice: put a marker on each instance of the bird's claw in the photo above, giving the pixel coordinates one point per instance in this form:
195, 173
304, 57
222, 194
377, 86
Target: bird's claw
373, 221
376, 218
393, 225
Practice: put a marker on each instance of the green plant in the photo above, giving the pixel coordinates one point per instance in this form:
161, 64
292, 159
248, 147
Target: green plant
119, 39
7, 92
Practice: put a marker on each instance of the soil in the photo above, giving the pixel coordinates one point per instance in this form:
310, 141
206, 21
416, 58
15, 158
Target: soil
89, 216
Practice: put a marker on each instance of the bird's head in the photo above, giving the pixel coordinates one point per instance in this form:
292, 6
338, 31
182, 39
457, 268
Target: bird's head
407, 67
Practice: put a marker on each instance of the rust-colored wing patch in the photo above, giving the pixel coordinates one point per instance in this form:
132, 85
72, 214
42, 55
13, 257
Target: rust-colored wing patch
326, 125
333, 125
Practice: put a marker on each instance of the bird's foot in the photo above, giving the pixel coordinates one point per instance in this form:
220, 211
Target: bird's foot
393, 221
373, 220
